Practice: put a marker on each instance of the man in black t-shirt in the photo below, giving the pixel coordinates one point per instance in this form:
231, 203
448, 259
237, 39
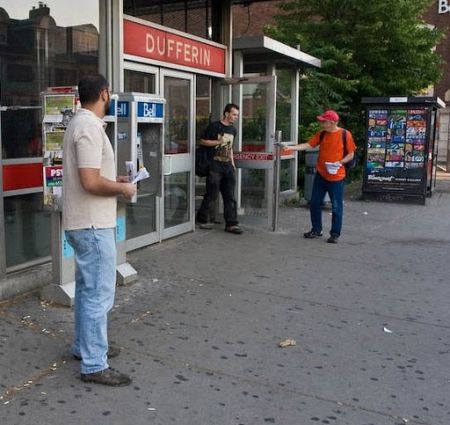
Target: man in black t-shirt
218, 137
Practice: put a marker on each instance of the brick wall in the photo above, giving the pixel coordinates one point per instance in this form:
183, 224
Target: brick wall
249, 20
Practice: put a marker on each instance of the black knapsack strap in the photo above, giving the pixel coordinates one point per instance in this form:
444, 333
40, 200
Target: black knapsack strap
344, 139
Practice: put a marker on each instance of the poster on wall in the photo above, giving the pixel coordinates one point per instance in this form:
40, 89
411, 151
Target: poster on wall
53, 180
396, 146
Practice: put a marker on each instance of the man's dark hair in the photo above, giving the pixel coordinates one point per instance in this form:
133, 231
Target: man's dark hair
90, 87
229, 107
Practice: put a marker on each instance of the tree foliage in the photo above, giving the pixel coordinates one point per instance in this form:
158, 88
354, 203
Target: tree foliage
367, 48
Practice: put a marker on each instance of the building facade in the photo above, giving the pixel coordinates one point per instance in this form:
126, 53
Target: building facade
182, 52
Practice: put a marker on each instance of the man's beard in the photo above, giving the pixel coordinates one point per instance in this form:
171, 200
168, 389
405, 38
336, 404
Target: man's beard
107, 106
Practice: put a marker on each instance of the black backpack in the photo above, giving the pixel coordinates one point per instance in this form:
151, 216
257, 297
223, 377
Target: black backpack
350, 164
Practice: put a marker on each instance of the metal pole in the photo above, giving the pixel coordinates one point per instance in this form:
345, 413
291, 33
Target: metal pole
276, 180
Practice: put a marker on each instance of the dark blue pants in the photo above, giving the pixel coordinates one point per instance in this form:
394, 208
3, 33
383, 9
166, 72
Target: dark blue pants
221, 178
335, 190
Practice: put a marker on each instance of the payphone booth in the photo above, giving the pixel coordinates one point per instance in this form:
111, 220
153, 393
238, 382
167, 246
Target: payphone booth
140, 120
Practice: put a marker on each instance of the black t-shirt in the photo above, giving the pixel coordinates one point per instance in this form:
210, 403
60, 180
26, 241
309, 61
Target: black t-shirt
213, 132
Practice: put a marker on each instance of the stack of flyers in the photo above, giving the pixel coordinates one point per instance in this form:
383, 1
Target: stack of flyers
333, 167
141, 175
134, 177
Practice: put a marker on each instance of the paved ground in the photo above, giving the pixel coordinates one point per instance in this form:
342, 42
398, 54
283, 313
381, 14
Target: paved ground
201, 327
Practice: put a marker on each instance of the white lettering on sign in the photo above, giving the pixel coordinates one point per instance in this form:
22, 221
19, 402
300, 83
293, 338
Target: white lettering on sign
178, 50
253, 156
444, 6
149, 110
122, 109
56, 172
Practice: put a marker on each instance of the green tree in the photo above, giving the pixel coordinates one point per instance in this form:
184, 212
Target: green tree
367, 48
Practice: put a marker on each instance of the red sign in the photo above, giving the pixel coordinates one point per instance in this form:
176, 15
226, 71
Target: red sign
253, 156
22, 176
151, 42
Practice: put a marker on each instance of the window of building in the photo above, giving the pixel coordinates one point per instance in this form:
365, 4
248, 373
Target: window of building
51, 44
140, 82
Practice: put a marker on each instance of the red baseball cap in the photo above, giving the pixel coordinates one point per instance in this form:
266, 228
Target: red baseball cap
328, 116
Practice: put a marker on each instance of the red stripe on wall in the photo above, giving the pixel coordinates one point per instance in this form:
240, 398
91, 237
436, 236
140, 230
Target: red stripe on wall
22, 176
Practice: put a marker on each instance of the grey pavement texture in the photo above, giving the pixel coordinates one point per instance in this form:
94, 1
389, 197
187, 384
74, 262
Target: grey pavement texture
200, 329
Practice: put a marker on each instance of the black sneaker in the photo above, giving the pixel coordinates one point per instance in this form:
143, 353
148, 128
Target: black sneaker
107, 377
312, 234
113, 351
333, 239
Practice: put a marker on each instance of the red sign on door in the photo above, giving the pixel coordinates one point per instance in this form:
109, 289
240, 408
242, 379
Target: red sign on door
253, 156
153, 42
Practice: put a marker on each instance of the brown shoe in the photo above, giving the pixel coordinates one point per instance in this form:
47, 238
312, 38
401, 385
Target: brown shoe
107, 377
113, 351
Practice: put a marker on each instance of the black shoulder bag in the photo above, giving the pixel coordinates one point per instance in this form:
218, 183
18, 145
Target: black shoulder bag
202, 161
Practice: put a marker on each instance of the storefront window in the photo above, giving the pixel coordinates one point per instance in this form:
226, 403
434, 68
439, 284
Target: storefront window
176, 120
41, 45
27, 229
140, 82
49, 44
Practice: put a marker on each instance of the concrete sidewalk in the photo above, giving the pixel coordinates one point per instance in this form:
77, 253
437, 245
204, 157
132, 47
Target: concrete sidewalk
200, 329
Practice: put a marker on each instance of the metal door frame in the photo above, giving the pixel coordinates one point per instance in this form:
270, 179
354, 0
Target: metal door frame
152, 237
180, 162
235, 94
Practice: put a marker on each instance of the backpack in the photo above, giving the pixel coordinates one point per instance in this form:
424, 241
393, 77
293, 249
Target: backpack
202, 161
350, 164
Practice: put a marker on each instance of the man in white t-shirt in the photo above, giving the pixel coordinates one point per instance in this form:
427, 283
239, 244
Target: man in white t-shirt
90, 188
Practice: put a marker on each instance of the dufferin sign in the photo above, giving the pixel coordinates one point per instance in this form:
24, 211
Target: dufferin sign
444, 6
159, 44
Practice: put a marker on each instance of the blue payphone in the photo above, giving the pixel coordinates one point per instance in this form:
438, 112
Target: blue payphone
139, 137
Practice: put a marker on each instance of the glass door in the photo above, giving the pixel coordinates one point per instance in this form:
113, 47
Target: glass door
256, 97
179, 140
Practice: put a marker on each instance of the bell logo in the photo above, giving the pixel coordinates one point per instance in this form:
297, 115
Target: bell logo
149, 110
444, 6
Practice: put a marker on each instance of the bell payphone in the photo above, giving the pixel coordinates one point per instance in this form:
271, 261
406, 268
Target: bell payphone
140, 144
140, 118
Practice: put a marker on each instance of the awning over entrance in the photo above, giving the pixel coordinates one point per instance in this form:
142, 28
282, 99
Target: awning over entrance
263, 49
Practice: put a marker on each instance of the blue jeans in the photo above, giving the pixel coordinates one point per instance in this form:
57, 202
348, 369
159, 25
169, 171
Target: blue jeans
95, 278
336, 191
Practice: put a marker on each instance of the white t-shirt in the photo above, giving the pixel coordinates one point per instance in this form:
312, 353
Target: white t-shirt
86, 145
